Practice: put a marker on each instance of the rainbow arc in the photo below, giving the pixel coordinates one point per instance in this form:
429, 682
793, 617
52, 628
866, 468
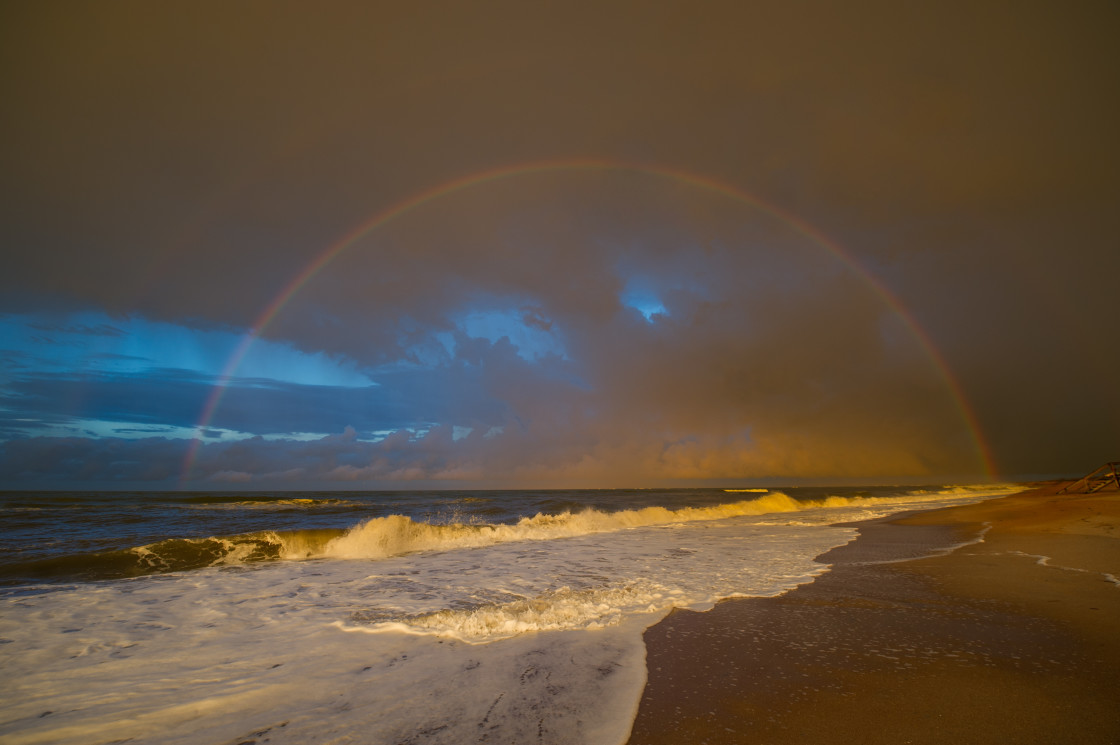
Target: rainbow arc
445, 189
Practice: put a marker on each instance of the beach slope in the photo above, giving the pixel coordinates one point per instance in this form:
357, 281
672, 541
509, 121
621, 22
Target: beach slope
1011, 637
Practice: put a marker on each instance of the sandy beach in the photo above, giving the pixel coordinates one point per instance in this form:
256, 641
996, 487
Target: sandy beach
1013, 637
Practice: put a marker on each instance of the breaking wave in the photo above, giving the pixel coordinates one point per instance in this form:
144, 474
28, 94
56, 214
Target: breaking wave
394, 535
397, 535
273, 504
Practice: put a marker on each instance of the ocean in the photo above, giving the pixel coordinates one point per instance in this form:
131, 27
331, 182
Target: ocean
380, 617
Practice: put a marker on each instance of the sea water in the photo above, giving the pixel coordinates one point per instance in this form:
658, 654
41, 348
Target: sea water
384, 617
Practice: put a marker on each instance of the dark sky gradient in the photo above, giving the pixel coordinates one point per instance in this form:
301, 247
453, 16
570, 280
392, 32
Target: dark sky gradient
169, 169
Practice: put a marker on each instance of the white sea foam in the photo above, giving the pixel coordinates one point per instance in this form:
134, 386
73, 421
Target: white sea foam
418, 633
395, 535
1044, 561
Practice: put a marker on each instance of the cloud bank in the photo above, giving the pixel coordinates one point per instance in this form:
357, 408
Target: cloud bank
176, 166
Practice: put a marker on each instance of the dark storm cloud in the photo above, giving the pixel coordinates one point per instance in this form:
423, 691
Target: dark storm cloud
157, 462
171, 397
187, 163
101, 329
248, 406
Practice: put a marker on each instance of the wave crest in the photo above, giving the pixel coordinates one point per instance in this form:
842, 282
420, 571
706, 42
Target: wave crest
293, 503
394, 535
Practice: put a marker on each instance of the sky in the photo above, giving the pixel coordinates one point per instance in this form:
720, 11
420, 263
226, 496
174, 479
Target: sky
273, 245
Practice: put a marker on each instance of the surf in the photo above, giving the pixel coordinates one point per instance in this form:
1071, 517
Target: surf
394, 535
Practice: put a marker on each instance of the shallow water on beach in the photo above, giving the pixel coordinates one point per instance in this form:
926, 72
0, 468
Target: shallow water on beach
423, 617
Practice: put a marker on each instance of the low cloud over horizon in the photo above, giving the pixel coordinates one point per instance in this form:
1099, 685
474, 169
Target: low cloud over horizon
870, 245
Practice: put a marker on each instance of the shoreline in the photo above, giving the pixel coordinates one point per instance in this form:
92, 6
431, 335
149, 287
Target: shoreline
1010, 636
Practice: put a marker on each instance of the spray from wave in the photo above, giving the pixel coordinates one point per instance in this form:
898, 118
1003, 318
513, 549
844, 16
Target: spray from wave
397, 535
394, 535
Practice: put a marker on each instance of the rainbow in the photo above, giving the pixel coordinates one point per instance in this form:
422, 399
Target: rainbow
447, 188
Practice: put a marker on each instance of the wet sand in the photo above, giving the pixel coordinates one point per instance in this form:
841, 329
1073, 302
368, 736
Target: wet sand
990, 643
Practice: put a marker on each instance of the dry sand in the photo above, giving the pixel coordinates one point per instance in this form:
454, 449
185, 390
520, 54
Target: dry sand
991, 643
